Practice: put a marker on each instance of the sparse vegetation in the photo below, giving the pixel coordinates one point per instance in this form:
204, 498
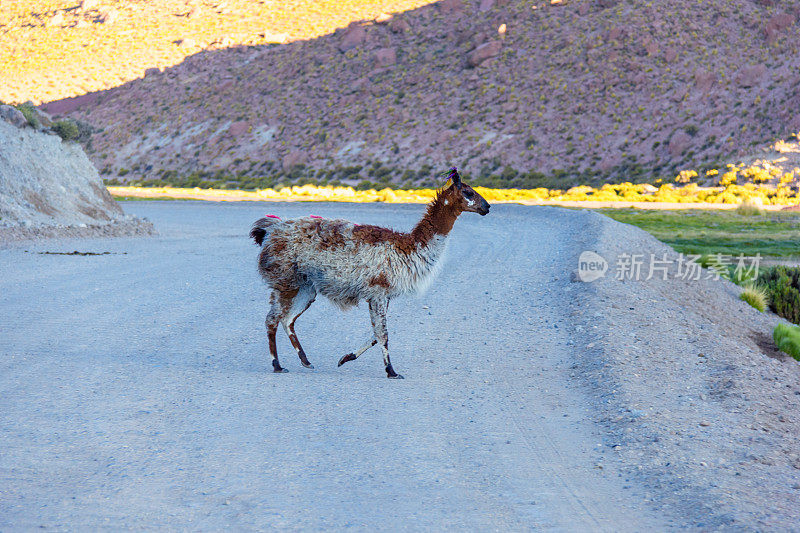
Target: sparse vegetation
754, 295
67, 129
749, 208
787, 339
782, 285
29, 112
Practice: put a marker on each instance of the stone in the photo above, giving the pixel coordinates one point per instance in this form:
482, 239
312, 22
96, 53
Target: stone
108, 15
13, 116
605, 4
186, 42
223, 42
56, 20
478, 39
354, 36
614, 33
751, 75
445, 136
385, 57
609, 162
650, 46
704, 80
776, 25
273, 37
383, 18
484, 52
451, 7
679, 142
670, 54
238, 128
293, 159
44, 118
399, 25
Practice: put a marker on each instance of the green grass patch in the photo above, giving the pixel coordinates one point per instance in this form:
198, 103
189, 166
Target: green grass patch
708, 232
787, 339
783, 287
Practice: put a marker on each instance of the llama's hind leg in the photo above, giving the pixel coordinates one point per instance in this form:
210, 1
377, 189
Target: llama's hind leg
273, 317
302, 301
377, 313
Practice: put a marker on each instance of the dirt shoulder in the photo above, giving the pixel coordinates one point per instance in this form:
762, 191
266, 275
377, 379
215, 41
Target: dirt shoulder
133, 227
698, 402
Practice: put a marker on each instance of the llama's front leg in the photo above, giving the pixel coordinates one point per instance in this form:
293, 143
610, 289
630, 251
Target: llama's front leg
273, 317
377, 313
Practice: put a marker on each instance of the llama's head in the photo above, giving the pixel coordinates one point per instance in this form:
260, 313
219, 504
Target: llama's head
466, 197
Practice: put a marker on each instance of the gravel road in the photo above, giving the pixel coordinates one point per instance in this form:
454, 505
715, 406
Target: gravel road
136, 392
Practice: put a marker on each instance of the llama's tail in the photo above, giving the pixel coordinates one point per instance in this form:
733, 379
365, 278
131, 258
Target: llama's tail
261, 227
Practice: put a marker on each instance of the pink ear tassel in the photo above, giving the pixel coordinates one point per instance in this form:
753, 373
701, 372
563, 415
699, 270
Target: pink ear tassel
273, 216
314, 216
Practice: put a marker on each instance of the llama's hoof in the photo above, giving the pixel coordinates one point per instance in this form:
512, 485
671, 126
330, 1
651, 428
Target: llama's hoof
307, 364
391, 374
346, 358
279, 370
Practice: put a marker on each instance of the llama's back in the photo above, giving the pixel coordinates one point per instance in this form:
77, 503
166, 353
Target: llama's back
344, 261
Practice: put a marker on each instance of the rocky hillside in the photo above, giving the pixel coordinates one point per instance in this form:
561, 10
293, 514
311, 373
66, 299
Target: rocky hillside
528, 92
53, 49
49, 187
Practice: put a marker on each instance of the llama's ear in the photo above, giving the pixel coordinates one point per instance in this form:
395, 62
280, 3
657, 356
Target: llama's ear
454, 177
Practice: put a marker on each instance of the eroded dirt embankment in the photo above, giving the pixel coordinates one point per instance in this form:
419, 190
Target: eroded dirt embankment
49, 188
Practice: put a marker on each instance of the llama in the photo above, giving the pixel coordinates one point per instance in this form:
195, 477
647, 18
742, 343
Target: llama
348, 262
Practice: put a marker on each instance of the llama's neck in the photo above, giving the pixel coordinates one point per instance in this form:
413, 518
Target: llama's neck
438, 219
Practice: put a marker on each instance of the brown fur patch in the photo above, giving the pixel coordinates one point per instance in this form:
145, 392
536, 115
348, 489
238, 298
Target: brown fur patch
286, 297
277, 245
281, 274
438, 220
380, 281
440, 216
330, 234
367, 234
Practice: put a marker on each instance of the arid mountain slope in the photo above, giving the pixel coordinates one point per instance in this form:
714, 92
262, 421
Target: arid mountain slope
52, 49
603, 89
